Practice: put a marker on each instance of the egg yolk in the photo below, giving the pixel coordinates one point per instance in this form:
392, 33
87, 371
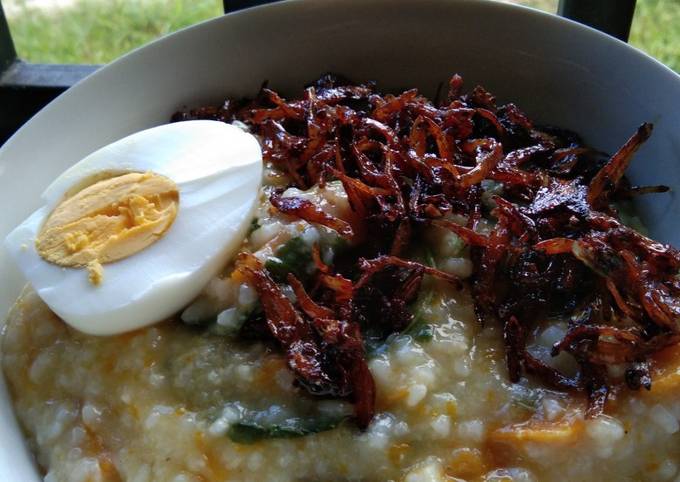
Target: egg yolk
109, 220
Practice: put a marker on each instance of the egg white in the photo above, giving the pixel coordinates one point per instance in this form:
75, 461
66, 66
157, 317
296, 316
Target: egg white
218, 171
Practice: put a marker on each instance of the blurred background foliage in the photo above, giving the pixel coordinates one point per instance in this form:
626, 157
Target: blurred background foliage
98, 31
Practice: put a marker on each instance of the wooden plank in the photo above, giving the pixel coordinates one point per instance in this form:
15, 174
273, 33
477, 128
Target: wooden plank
45, 76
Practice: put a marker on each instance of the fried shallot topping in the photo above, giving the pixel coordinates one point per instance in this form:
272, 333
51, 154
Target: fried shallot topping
556, 248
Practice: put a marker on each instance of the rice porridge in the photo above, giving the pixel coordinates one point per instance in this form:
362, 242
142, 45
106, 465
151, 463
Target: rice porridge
206, 396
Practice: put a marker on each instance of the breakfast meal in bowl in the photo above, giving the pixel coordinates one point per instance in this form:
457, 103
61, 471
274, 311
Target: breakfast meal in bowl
419, 290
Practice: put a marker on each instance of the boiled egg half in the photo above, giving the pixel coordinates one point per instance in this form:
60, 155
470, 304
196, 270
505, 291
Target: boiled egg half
131, 234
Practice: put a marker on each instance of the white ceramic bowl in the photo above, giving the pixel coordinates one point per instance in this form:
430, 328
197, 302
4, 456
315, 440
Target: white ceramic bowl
558, 71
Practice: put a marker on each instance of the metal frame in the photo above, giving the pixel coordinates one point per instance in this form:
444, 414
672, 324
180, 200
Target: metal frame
25, 88
236, 5
613, 17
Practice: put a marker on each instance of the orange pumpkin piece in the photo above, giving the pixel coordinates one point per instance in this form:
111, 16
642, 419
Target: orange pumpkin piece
666, 372
465, 463
564, 431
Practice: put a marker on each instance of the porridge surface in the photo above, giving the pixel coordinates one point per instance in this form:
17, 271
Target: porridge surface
161, 404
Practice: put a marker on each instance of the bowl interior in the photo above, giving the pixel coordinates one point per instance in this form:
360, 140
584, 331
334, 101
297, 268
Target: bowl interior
557, 71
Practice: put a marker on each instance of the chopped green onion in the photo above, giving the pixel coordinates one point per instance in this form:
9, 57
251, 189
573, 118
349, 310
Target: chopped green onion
248, 432
295, 256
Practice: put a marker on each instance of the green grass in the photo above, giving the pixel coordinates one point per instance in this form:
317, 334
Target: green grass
656, 30
98, 31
